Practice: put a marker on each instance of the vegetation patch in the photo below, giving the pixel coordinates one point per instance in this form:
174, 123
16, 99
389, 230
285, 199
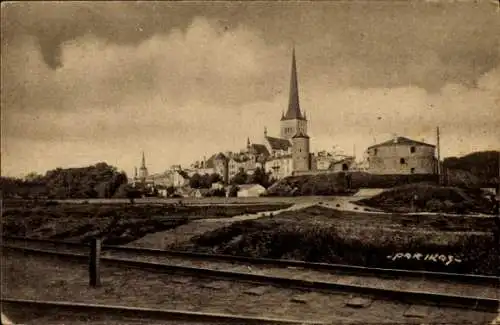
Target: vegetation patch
399, 221
374, 247
320, 184
115, 223
431, 198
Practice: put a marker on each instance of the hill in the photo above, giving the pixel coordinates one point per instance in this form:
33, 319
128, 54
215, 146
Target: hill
97, 181
341, 183
320, 184
430, 198
477, 169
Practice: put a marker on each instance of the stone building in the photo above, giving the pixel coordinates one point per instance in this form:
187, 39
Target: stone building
401, 156
290, 152
280, 156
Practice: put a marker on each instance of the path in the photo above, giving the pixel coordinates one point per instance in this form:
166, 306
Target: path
6, 321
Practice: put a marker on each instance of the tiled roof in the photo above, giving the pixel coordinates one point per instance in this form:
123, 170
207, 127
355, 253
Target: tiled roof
400, 140
259, 149
278, 143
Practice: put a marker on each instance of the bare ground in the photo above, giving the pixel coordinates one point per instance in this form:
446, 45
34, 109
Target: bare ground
52, 279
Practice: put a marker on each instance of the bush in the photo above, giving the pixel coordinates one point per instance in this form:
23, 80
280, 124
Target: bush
356, 246
430, 197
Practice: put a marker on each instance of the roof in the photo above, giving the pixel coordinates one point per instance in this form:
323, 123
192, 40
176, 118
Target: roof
278, 143
300, 134
348, 160
401, 140
240, 158
293, 111
259, 149
280, 157
220, 156
248, 186
183, 173
210, 162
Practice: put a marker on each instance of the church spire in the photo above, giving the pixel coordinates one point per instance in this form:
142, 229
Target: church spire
293, 111
143, 162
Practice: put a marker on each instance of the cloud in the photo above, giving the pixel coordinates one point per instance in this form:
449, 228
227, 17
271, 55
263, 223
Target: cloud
182, 88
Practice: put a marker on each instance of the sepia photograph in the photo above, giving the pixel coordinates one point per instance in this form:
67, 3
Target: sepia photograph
250, 162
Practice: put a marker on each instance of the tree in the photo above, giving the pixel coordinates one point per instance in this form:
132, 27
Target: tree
205, 181
240, 178
260, 177
233, 191
99, 180
195, 181
170, 191
214, 178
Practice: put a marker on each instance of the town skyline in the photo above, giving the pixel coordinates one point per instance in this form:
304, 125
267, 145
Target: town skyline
205, 82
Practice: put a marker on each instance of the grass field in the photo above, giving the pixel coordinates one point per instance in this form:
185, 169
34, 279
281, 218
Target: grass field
319, 234
315, 233
115, 223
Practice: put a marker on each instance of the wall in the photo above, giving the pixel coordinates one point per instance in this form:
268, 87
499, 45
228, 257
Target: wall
300, 154
293, 125
387, 159
284, 165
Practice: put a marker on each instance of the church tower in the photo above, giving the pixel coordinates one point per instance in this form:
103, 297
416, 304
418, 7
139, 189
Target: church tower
293, 122
301, 160
143, 170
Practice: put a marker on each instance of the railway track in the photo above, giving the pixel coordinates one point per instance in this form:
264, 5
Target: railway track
399, 285
110, 314
229, 260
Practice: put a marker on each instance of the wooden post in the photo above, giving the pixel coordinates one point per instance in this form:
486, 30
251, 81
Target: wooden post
438, 156
95, 252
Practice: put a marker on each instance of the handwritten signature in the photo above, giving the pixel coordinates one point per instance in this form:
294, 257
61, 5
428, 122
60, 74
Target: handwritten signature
446, 259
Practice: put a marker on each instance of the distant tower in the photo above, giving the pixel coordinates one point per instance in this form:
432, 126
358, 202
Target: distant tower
293, 121
301, 158
143, 170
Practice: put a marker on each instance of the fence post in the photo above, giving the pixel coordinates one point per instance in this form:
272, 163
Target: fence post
95, 252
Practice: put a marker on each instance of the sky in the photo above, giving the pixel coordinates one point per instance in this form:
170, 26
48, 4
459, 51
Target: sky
84, 82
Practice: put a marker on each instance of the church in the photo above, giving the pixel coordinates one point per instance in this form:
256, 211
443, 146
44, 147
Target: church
290, 152
280, 156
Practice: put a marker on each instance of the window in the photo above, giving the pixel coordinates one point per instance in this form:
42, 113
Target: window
412, 149
375, 152
402, 161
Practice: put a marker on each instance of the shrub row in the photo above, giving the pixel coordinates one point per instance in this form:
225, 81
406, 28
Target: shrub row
317, 243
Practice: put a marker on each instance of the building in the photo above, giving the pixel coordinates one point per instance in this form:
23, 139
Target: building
343, 165
401, 156
250, 190
290, 152
142, 178
280, 156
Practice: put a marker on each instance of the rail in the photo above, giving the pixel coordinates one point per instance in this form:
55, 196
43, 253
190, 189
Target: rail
412, 297
340, 268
